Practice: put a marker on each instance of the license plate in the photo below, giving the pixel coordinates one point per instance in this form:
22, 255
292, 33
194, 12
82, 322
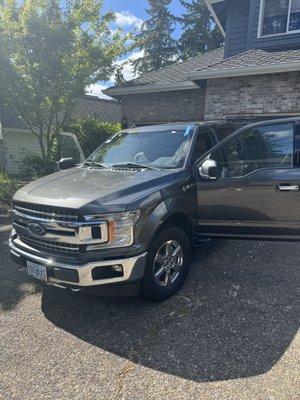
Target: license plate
37, 271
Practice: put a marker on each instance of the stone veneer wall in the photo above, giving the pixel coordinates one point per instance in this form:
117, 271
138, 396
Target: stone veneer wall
181, 105
260, 94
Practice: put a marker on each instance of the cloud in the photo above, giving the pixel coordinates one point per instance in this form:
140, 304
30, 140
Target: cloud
96, 90
127, 66
126, 18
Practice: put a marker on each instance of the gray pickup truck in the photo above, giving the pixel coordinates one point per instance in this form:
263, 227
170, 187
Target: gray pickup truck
122, 222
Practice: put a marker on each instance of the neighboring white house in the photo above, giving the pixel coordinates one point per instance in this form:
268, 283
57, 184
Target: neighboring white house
16, 141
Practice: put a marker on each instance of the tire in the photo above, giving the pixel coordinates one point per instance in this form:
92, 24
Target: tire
167, 265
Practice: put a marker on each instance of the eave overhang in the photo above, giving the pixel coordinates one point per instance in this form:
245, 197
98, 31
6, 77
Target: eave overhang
151, 88
210, 5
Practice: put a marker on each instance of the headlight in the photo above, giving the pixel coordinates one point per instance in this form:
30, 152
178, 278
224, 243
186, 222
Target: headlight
119, 229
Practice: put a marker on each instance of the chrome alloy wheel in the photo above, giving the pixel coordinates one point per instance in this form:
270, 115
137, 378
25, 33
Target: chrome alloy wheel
168, 262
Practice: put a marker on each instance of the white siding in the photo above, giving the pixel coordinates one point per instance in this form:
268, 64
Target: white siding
17, 144
2, 158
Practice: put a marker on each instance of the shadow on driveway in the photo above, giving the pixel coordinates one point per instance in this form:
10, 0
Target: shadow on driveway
234, 318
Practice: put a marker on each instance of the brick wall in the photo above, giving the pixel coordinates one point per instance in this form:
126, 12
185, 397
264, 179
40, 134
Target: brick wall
183, 105
273, 93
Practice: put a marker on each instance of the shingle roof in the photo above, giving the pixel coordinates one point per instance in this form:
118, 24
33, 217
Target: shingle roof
204, 64
87, 106
104, 110
176, 72
255, 58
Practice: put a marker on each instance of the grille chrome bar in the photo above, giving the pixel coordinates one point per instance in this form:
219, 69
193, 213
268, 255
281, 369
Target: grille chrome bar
54, 236
44, 213
64, 232
42, 244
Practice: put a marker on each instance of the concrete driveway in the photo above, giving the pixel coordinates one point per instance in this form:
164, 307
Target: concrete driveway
231, 333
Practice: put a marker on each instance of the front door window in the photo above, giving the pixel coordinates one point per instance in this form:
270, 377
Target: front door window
68, 147
204, 142
269, 146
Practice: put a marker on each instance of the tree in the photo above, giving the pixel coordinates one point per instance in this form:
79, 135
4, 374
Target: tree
119, 76
155, 39
200, 33
50, 51
91, 132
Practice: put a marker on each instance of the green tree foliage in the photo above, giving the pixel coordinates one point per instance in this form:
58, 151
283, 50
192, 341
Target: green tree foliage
50, 50
33, 166
119, 77
91, 133
155, 38
200, 33
8, 187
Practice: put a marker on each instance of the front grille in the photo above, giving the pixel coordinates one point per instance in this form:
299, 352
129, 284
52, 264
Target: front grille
42, 244
36, 211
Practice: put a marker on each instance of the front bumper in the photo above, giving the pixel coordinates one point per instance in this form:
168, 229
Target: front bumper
83, 276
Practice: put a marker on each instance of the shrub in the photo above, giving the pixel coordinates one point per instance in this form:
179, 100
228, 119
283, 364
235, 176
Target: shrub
34, 166
91, 132
8, 187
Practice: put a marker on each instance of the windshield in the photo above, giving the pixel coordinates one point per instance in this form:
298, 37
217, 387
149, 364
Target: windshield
166, 147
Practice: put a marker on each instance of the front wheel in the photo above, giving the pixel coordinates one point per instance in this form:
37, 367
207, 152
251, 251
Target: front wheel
167, 265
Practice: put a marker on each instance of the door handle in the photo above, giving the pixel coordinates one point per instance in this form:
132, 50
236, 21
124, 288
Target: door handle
287, 188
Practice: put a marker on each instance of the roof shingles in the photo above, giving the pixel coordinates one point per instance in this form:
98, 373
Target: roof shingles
175, 73
208, 62
255, 58
85, 107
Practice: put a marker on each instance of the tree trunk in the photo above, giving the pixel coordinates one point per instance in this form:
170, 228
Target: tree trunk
43, 149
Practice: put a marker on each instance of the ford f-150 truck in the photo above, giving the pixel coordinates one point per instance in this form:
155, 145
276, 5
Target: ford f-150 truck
123, 221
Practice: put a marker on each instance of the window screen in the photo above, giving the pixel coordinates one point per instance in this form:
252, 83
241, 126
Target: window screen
280, 16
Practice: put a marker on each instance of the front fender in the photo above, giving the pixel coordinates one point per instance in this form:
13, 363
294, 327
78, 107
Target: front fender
155, 218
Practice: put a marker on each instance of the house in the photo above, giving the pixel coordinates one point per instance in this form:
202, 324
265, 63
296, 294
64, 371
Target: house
17, 141
256, 75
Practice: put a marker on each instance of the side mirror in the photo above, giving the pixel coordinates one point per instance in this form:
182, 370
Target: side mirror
209, 170
66, 163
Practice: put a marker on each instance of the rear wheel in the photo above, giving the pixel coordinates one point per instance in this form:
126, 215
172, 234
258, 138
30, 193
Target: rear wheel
167, 264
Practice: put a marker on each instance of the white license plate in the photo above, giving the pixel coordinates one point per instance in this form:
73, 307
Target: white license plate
37, 271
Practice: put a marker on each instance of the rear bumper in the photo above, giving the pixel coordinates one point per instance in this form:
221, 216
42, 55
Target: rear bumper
86, 275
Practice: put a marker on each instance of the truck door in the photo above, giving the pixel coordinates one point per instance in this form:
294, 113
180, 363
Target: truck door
69, 147
248, 186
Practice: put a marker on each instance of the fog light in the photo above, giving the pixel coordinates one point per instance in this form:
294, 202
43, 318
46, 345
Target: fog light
117, 268
107, 272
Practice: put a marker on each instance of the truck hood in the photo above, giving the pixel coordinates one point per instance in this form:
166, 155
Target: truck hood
97, 190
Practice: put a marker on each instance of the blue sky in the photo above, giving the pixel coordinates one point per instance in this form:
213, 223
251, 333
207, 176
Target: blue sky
129, 15
137, 8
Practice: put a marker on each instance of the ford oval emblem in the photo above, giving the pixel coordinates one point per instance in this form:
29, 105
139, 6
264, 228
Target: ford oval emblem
37, 229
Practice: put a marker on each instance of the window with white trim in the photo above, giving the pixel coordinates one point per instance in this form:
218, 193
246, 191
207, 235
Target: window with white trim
279, 17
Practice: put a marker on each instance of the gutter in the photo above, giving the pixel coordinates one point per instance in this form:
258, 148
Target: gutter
244, 71
151, 88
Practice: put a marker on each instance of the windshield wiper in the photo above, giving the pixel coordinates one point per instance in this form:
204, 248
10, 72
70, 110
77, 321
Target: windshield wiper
96, 164
133, 165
